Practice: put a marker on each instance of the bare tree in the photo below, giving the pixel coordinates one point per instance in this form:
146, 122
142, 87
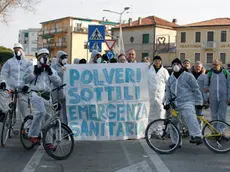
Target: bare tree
7, 7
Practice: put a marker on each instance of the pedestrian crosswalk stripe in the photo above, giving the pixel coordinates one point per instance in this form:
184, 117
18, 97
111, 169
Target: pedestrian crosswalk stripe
96, 35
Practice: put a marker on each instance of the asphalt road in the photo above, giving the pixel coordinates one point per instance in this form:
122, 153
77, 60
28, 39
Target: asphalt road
113, 156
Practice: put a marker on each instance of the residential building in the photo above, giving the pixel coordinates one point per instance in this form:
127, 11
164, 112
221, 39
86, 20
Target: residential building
70, 34
203, 41
149, 36
28, 38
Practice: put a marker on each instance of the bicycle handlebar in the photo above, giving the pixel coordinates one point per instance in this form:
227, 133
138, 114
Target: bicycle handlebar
58, 88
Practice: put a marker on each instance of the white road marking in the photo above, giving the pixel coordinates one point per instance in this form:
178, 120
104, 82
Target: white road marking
126, 153
156, 160
139, 167
34, 160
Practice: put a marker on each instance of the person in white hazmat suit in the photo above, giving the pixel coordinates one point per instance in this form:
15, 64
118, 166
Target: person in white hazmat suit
40, 77
184, 87
217, 83
59, 67
94, 56
158, 77
12, 77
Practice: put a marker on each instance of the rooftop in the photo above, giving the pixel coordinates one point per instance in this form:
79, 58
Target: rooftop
83, 19
212, 22
150, 20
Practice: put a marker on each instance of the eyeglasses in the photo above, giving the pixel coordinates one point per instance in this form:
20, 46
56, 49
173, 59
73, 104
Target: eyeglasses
215, 64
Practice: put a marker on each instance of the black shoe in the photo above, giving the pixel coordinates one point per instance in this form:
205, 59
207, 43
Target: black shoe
196, 140
173, 145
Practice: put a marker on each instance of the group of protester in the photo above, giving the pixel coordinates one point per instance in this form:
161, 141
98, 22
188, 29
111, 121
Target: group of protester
193, 89
190, 84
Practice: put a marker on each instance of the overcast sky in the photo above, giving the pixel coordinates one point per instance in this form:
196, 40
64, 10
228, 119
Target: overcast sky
184, 11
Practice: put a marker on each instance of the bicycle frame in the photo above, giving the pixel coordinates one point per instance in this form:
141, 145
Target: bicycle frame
56, 111
174, 113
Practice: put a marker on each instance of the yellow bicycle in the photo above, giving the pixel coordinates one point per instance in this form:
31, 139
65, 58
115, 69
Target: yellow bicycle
164, 137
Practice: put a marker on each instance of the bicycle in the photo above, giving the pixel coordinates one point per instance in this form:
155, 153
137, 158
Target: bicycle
10, 117
52, 125
166, 129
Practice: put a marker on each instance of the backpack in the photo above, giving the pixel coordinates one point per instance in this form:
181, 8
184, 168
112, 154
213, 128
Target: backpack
210, 75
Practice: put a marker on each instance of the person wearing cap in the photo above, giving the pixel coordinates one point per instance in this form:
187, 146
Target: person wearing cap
12, 77
60, 67
157, 76
187, 65
76, 61
184, 87
41, 78
94, 56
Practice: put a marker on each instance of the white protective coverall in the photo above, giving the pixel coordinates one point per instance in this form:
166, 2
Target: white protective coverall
59, 68
42, 83
157, 83
93, 54
219, 94
12, 73
187, 92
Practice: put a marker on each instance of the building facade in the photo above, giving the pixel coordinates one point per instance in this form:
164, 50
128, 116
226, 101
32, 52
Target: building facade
70, 34
203, 41
149, 36
29, 40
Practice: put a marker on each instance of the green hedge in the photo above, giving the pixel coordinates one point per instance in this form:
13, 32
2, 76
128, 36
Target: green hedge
4, 56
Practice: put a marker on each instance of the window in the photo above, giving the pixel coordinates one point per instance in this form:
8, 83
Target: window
145, 55
145, 38
223, 36
197, 57
197, 36
209, 57
183, 37
26, 34
223, 57
182, 56
210, 36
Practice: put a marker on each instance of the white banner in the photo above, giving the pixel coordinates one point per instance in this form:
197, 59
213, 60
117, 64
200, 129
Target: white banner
107, 101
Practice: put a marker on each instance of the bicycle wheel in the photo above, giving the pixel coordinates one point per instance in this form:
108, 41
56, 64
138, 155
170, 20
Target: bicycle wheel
24, 133
6, 129
52, 146
216, 136
162, 136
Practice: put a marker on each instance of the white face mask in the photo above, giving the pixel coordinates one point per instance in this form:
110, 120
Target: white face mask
44, 60
99, 60
64, 61
176, 68
18, 53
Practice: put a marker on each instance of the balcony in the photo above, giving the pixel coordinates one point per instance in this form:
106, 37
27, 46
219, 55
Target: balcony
209, 45
53, 31
81, 29
61, 44
49, 45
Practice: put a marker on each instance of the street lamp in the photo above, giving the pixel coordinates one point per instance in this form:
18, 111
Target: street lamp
121, 42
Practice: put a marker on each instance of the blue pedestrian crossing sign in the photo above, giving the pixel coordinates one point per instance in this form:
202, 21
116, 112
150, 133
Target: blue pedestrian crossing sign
94, 45
96, 33
110, 54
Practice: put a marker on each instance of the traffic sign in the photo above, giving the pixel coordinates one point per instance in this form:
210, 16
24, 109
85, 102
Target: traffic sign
96, 33
110, 43
110, 54
94, 45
